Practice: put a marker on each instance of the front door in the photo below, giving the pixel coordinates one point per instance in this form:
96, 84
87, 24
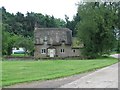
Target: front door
51, 52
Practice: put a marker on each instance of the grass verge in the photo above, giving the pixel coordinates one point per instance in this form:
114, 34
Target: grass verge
19, 55
26, 71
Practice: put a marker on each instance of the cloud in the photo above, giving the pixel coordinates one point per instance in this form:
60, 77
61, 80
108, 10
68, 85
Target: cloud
57, 8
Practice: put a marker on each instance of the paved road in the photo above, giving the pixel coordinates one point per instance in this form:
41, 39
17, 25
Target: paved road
116, 56
103, 78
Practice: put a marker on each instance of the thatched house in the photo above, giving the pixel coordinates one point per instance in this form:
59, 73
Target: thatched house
54, 42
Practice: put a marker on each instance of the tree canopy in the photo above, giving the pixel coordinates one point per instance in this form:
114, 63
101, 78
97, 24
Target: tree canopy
21, 24
97, 27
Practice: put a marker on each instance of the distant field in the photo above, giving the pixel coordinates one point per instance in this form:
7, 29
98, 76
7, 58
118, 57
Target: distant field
26, 71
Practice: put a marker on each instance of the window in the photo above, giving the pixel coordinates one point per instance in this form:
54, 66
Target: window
62, 50
43, 51
45, 43
45, 38
74, 50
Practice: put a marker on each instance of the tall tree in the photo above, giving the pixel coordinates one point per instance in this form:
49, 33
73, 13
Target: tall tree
96, 28
72, 24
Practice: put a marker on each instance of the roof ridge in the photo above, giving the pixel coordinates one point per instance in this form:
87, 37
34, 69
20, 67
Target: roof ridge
66, 29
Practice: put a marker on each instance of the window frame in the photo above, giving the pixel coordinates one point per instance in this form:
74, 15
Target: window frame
62, 50
43, 51
74, 50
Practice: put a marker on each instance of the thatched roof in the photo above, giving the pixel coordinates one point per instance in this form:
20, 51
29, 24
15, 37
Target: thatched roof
53, 36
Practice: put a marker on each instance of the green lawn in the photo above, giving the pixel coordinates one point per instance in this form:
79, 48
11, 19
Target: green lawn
19, 55
26, 71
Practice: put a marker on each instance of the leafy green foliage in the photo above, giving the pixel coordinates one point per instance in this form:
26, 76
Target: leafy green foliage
72, 24
26, 43
7, 43
96, 28
11, 40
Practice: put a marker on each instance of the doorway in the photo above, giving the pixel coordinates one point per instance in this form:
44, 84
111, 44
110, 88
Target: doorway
51, 52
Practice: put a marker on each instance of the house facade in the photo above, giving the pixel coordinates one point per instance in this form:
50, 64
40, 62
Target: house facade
54, 42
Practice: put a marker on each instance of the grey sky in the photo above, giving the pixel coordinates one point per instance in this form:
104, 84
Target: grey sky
57, 8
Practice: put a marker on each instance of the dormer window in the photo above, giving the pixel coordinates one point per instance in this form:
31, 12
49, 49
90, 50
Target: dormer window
41, 40
37, 40
63, 42
45, 39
